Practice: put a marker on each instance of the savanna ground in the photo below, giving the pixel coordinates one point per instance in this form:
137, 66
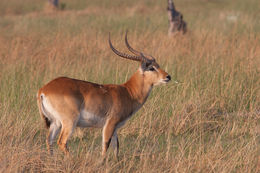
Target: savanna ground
208, 122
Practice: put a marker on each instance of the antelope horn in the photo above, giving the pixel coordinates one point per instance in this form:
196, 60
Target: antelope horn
124, 55
135, 51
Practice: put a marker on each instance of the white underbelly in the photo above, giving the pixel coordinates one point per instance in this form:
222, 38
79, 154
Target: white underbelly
88, 119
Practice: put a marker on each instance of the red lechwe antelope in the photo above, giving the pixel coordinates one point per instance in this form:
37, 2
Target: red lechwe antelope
66, 103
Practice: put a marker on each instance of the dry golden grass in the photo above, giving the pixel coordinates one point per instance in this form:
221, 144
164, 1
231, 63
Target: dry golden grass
208, 122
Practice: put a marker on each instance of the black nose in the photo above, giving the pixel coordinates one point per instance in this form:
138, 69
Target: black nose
168, 77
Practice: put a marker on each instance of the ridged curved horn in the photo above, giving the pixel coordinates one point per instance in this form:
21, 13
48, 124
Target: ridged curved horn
135, 51
129, 47
124, 55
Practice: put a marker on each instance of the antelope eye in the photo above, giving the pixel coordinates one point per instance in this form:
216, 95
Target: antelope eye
151, 69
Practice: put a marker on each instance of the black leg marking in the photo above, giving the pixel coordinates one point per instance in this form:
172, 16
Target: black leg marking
117, 143
108, 143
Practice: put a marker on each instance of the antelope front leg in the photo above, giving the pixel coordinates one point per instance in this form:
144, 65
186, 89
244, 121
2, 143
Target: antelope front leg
115, 144
108, 132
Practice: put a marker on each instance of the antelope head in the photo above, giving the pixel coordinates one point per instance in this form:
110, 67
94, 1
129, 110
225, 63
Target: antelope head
149, 68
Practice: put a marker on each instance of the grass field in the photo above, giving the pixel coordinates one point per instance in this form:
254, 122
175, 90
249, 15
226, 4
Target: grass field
208, 122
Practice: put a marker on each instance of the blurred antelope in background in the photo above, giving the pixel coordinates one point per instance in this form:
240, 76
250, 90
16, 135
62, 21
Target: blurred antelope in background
65, 103
175, 18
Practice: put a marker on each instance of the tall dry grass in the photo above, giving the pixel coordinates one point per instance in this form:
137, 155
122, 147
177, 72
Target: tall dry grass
208, 122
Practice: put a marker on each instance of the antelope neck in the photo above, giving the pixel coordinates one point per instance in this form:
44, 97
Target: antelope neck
138, 88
